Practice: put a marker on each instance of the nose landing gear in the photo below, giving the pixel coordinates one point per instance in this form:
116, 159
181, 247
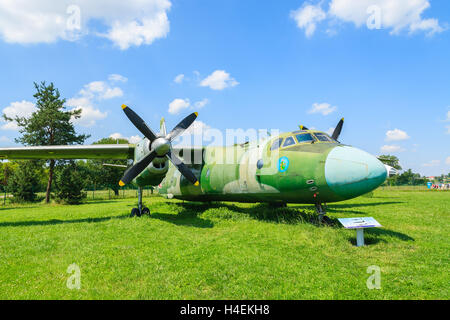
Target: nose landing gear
321, 211
140, 210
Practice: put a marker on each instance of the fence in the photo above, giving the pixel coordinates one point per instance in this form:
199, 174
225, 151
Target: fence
95, 193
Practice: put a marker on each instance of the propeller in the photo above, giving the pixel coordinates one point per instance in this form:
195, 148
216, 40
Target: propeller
160, 146
337, 130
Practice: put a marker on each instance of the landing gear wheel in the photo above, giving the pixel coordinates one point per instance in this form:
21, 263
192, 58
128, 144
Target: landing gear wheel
135, 213
146, 211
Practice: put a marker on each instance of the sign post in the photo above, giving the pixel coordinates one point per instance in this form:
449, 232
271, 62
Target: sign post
359, 224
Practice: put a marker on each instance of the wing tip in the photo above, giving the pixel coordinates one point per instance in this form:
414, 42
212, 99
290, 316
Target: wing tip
124, 106
121, 183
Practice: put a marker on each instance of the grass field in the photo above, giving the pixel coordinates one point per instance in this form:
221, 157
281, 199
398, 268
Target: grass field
226, 250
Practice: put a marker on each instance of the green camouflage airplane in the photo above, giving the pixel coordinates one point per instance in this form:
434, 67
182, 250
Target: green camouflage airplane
304, 166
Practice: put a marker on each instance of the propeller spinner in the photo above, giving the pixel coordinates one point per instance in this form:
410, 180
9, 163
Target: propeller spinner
159, 147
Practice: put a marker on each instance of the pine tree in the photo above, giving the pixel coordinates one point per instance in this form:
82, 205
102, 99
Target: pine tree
69, 184
50, 125
24, 181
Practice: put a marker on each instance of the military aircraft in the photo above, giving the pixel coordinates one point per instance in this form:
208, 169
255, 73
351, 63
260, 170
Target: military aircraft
303, 166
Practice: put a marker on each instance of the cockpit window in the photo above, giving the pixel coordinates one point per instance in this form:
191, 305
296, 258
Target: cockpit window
276, 144
289, 142
323, 137
303, 138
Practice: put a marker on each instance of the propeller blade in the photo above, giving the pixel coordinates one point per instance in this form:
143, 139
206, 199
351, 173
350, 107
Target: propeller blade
183, 125
185, 171
162, 127
139, 123
137, 168
338, 129
303, 127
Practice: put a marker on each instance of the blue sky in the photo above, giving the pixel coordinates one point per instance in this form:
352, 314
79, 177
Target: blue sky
253, 64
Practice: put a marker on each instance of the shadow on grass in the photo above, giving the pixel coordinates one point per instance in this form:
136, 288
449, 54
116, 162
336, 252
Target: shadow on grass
261, 212
188, 219
369, 204
376, 235
57, 221
18, 207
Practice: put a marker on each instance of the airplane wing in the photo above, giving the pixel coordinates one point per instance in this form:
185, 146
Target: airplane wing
96, 151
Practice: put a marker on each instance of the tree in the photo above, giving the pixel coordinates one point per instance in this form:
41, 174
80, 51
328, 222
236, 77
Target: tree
6, 171
24, 182
106, 175
390, 161
69, 183
50, 125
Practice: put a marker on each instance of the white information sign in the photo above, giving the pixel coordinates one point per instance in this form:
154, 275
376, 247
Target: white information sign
357, 223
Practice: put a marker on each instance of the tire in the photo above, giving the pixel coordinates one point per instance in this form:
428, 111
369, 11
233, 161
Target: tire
146, 211
134, 212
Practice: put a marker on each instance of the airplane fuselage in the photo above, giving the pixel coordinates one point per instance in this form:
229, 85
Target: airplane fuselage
296, 167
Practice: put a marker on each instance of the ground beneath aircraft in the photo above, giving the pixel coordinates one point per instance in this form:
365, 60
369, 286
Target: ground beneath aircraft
226, 251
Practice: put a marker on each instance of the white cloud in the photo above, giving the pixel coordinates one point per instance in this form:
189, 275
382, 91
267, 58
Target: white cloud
323, 108
100, 90
391, 149
396, 16
127, 23
448, 129
179, 104
111, 93
132, 139
447, 161
448, 116
307, 17
200, 104
17, 109
432, 163
117, 78
89, 115
91, 94
396, 135
219, 80
179, 78
329, 131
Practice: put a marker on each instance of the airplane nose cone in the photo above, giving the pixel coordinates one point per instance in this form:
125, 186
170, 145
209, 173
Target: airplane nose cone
351, 172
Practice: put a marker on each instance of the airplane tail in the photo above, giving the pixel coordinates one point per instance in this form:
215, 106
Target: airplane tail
162, 127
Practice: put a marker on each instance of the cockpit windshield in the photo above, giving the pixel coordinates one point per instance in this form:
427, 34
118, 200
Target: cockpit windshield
323, 137
304, 138
276, 144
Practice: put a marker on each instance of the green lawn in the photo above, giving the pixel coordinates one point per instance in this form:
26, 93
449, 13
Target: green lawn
226, 251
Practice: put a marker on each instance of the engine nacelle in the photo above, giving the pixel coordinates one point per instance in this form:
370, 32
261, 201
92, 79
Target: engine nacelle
156, 171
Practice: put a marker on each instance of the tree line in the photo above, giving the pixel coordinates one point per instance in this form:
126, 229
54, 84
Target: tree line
24, 179
407, 177
52, 124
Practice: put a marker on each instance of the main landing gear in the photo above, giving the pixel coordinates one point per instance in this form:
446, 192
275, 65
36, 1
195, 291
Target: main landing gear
140, 210
321, 211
